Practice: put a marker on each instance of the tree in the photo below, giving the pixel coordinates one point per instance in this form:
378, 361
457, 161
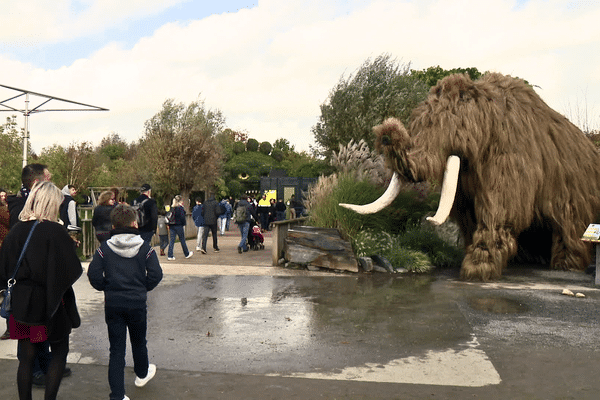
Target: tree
180, 148
379, 89
432, 75
116, 162
11, 144
283, 145
72, 165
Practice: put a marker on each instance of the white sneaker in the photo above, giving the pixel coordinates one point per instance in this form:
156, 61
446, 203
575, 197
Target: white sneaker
125, 398
198, 248
139, 382
171, 258
190, 254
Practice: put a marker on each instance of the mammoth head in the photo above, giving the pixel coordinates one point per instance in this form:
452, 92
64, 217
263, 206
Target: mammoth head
392, 140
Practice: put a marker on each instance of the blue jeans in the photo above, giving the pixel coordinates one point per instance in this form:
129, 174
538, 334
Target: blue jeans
244, 227
177, 230
222, 224
119, 321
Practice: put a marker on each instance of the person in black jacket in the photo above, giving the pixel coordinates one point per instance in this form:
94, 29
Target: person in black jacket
210, 212
101, 218
30, 175
126, 268
177, 229
150, 210
43, 300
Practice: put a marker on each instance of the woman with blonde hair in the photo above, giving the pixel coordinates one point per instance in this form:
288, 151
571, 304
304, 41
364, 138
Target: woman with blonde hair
177, 229
101, 218
43, 300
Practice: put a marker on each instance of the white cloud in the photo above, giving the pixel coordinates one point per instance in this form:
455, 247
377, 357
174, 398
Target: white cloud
38, 21
270, 67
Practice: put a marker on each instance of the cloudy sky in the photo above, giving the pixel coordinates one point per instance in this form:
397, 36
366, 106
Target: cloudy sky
269, 64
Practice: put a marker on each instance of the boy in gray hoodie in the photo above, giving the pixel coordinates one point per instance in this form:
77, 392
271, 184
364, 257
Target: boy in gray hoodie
125, 268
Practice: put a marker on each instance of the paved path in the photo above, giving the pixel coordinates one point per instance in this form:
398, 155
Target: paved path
230, 326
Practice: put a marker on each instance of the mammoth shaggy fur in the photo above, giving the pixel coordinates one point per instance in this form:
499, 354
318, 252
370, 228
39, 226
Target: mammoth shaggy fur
522, 165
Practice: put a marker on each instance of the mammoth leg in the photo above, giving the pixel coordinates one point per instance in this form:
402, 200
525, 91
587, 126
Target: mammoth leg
488, 253
567, 253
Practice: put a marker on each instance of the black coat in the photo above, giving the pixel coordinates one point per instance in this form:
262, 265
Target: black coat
151, 211
43, 293
101, 219
210, 212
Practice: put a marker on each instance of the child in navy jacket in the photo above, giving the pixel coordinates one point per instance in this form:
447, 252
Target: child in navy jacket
125, 268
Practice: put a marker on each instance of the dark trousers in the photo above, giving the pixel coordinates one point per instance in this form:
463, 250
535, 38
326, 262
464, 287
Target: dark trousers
119, 321
213, 229
147, 237
264, 221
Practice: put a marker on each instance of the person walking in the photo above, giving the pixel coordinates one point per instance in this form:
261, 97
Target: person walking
263, 212
101, 218
125, 268
242, 215
210, 212
150, 211
224, 218
199, 222
43, 300
163, 231
177, 229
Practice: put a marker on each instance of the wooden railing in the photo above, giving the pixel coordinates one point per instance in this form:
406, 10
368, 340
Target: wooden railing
280, 229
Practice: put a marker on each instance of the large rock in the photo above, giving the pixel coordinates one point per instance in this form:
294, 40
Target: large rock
319, 247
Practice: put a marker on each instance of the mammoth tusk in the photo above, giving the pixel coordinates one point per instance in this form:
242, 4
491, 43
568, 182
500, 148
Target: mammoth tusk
448, 191
385, 200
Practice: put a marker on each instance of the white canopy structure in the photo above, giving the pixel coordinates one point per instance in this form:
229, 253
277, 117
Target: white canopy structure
7, 105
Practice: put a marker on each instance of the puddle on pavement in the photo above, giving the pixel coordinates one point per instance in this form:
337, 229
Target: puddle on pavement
497, 305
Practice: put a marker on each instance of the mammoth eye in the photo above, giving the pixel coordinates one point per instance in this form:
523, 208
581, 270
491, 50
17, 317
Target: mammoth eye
386, 140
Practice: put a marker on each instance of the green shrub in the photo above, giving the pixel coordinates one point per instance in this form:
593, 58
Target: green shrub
441, 253
239, 147
265, 148
252, 145
370, 242
277, 155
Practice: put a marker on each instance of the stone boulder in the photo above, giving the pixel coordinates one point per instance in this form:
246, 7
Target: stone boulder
319, 247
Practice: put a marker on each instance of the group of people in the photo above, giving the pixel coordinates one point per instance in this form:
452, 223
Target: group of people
210, 218
37, 225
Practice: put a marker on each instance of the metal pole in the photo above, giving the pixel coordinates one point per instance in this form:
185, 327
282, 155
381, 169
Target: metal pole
26, 131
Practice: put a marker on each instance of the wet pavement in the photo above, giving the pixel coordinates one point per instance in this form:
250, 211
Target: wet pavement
230, 326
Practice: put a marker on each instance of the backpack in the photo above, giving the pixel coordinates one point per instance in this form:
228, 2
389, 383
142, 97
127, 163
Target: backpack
241, 214
142, 218
221, 209
170, 217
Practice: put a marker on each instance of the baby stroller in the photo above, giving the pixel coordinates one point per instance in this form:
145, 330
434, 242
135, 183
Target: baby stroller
255, 238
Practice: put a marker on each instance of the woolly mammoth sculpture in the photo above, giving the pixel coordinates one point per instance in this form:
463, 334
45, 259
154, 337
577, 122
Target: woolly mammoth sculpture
514, 166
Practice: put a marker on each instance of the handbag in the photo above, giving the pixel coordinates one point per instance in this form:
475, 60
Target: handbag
6, 308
